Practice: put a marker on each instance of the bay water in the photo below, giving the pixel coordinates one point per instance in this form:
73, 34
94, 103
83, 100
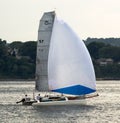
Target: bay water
102, 109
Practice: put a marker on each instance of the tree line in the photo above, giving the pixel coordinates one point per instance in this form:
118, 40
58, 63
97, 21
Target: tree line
18, 59
106, 60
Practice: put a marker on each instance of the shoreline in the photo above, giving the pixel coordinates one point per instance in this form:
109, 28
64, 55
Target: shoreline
97, 79
106, 79
17, 79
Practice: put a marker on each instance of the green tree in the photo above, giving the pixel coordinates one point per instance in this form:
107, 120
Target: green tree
24, 69
3, 48
29, 49
94, 48
16, 44
110, 52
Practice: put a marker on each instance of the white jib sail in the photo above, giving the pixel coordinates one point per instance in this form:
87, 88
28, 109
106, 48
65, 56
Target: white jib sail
70, 69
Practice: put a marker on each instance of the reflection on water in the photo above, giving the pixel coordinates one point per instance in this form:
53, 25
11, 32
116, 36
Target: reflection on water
102, 109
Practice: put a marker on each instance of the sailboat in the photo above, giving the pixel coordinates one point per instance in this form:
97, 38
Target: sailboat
63, 63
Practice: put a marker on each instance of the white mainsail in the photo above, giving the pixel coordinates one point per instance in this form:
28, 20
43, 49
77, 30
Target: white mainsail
63, 63
44, 36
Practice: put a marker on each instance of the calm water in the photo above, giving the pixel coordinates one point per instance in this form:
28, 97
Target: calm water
102, 109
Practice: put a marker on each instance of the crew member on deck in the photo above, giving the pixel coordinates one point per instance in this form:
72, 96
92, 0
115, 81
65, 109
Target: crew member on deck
24, 99
39, 98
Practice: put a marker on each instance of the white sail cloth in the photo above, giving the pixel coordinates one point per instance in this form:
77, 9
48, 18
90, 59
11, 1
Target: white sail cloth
69, 64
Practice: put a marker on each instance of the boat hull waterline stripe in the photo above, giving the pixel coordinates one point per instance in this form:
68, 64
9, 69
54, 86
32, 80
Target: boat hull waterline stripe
75, 90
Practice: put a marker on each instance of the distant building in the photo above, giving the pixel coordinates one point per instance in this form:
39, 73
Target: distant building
103, 61
119, 63
109, 61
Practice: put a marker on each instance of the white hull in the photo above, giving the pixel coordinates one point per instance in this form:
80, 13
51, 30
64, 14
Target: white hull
69, 102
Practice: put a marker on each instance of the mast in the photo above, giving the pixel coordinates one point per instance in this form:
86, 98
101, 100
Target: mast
43, 43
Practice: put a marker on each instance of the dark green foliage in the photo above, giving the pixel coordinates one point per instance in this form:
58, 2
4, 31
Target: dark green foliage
100, 50
29, 49
111, 41
94, 49
18, 68
17, 59
110, 52
20, 64
24, 69
16, 44
108, 71
3, 49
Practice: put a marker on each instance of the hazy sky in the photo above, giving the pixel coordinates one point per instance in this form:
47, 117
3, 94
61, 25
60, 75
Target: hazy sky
19, 19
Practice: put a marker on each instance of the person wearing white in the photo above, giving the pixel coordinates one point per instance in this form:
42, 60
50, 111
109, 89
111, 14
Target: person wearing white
38, 98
